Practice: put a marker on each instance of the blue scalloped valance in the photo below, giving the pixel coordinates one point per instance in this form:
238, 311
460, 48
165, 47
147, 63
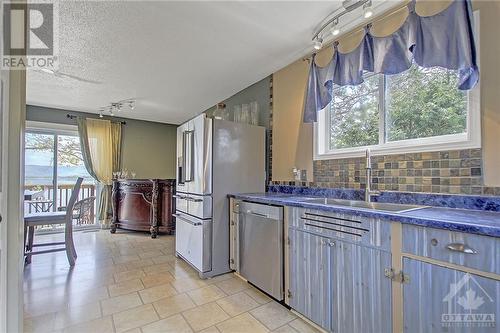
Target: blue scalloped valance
445, 39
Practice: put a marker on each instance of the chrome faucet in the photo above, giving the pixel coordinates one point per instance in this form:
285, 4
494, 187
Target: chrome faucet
368, 191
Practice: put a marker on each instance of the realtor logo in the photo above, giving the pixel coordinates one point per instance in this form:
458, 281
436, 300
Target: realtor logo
468, 305
30, 32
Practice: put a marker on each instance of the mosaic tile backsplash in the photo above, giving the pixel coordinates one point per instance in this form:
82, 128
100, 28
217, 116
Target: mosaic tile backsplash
453, 172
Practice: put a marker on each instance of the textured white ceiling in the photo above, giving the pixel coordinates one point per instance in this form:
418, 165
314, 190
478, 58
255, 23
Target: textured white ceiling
177, 58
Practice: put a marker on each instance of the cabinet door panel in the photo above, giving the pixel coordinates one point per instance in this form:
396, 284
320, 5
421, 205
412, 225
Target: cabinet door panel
434, 293
361, 292
310, 276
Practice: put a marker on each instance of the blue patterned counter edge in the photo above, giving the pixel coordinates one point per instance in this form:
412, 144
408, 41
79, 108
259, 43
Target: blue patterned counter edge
462, 220
485, 203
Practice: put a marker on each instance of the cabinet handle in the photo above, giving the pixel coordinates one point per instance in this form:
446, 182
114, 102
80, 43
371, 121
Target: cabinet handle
459, 247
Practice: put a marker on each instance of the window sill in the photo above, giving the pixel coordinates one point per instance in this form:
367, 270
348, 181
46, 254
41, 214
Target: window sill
403, 147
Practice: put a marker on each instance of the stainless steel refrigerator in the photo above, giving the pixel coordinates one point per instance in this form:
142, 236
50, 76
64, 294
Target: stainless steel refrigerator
214, 158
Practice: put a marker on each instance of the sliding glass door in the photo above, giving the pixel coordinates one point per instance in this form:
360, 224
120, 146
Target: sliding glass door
53, 162
39, 179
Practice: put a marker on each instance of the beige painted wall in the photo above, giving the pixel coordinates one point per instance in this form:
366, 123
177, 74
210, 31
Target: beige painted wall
292, 140
490, 89
292, 145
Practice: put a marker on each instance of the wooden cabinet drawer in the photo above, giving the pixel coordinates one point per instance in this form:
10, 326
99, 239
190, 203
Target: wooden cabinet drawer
469, 250
365, 230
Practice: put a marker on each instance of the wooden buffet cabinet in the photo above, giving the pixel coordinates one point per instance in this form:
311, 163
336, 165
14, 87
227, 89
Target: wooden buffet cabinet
144, 205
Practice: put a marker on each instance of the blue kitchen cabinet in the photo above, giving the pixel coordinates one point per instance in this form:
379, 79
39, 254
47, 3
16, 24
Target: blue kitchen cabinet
310, 276
341, 286
362, 294
441, 299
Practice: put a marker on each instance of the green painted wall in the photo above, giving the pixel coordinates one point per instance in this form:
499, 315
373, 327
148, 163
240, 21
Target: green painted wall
148, 148
258, 92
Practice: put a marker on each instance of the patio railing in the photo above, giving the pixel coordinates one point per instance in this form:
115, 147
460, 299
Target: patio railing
41, 199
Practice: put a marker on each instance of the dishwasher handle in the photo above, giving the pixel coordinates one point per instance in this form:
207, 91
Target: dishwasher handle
249, 212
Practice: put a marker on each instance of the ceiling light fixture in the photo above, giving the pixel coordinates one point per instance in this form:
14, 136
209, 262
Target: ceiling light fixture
117, 106
335, 30
318, 43
367, 10
333, 22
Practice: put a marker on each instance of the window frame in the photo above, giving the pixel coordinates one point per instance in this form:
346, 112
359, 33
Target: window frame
468, 140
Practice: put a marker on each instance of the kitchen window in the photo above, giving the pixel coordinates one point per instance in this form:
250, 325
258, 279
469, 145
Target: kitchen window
418, 110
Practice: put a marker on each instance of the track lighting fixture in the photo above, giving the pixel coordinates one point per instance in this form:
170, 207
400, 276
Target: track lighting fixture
333, 22
117, 106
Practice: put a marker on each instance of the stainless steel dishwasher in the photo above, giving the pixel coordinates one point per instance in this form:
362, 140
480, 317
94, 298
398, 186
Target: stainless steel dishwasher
260, 238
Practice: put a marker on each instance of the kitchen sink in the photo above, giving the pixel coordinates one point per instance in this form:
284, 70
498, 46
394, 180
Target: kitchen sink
388, 207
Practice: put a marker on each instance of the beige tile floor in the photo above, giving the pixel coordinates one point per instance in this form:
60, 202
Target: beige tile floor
128, 282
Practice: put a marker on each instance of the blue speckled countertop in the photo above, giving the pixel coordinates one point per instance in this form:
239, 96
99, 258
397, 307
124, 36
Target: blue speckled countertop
464, 220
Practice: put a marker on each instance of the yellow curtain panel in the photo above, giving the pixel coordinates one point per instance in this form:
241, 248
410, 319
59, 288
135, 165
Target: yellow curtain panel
101, 148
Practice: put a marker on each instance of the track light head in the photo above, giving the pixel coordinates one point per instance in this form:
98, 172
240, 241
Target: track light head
335, 30
318, 43
367, 10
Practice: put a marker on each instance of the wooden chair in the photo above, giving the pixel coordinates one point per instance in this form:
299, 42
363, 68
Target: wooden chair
48, 218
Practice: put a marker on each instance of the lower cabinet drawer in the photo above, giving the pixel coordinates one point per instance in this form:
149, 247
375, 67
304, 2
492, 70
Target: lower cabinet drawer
469, 250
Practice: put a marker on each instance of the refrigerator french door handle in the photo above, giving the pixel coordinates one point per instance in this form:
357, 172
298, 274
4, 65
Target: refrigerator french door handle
188, 155
183, 158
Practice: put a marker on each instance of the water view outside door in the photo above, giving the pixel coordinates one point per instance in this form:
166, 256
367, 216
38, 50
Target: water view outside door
53, 162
